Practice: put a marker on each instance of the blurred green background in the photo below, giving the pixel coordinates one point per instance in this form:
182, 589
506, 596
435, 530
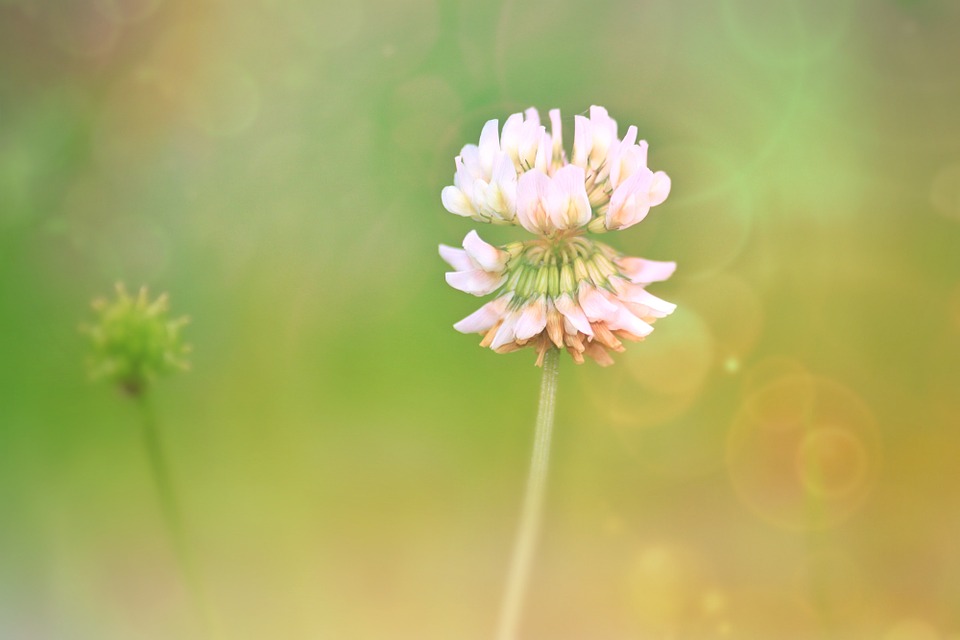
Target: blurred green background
778, 460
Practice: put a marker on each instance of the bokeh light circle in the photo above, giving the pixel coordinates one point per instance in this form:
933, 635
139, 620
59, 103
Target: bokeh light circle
803, 453
831, 461
656, 380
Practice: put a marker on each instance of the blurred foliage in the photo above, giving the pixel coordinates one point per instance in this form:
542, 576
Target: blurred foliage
134, 340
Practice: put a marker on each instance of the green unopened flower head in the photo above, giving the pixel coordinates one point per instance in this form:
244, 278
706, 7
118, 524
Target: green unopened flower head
135, 341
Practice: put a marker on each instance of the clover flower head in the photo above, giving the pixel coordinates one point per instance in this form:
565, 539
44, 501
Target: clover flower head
134, 340
561, 289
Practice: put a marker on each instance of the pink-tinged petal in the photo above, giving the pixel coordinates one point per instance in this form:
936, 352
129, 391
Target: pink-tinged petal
481, 320
556, 132
477, 282
595, 305
507, 331
532, 116
644, 149
544, 152
456, 258
624, 319
510, 137
660, 307
630, 323
501, 196
532, 189
532, 320
503, 170
456, 201
629, 204
582, 140
630, 138
636, 293
485, 255
660, 188
574, 314
489, 146
530, 137
627, 162
643, 312
643, 271
567, 204
598, 113
604, 124
604, 131
463, 179
470, 162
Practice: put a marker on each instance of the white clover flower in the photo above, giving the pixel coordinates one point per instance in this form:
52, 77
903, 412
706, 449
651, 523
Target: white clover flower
562, 289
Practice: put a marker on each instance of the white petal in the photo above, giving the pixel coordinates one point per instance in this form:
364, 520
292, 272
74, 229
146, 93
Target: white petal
604, 127
568, 205
626, 162
489, 146
507, 331
598, 114
532, 116
501, 196
503, 170
604, 130
574, 314
456, 201
532, 189
483, 318
556, 132
629, 203
544, 152
485, 255
582, 140
529, 142
478, 282
660, 188
643, 271
532, 320
456, 258
510, 137
470, 157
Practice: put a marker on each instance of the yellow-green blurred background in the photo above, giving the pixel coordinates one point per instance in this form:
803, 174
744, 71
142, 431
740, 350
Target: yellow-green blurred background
778, 460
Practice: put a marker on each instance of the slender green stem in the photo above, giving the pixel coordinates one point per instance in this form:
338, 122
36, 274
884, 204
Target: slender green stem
528, 531
170, 508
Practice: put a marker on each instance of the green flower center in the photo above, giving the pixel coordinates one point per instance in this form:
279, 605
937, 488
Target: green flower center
556, 266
